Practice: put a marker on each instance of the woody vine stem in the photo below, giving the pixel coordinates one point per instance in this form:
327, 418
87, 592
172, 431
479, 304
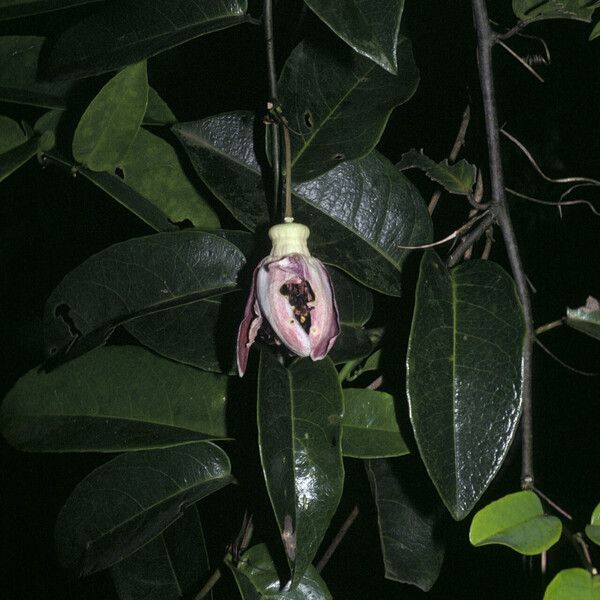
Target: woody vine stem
486, 39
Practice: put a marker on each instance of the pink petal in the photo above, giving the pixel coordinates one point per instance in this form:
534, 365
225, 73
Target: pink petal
249, 326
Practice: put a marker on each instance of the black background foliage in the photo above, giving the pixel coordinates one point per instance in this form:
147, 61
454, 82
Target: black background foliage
50, 223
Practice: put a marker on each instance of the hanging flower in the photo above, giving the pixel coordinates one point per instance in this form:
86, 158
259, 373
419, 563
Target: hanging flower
291, 301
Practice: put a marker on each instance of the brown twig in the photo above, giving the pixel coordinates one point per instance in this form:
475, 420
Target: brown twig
521, 60
534, 164
489, 241
558, 204
548, 326
553, 504
208, 586
470, 238
289, 215
562, 363
339, 536
458, 144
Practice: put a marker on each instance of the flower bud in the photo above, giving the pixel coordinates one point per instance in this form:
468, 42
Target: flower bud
291, 301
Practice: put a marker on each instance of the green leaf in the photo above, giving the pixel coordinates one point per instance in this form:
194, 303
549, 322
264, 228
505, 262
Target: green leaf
456, 178
158, 111
464, 375
257, 577
132, 499
11, 134
593, 529
408, 525
517, 521
371, 364
19, 55
12, 9
580, 10
174, 563
359, 230
151, 167
371, 28
574, 584
586, 318
339, 102
110, 123
129, 31
299, 430
370, 426
133, 279
16, 157
595, 32
114, 399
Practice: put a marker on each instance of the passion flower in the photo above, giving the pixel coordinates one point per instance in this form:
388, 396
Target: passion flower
291, 301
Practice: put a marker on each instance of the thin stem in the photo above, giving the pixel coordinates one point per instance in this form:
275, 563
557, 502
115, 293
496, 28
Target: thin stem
558, 204
458, 144
553, 504
274, 128
339, 536
499, 206
548, 326
522, 61
289, 215
208, 585
471, 238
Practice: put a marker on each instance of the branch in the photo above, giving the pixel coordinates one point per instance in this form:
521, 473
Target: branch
339, 536
499, 206
471, 238
273, 100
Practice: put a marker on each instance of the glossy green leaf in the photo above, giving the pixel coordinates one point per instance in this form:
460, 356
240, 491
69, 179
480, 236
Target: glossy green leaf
173, 564
19, 55
574, 584
580, 10
408, 524
593, 529
111, 121
586, 318
464, 375
339, 102
11, 134
114, 399
371, 364
371, 28
456, 178
517, 521
133, 498
595, 32
11, 9
157, 110
135, 278
359, 213
16, 157
257, 578
353, 343
151, 167
299, 430
129, 31
370, 426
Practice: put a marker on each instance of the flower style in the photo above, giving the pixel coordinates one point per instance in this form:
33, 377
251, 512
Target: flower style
291, 301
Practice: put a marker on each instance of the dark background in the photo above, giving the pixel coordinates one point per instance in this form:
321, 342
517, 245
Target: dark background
50, 223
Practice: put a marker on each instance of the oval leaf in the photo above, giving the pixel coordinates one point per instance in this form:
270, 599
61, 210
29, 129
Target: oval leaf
370, 28
22, 8
132, 499
359, 230
593, 529
464, 375
129, 31
257, 577
574, 584
339, 102
586, 318
114, 399
370, 426
19, 55
299, 430
174, 563
579, 10
151, 167
136, 278
517, 521
408, 524
110, 123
